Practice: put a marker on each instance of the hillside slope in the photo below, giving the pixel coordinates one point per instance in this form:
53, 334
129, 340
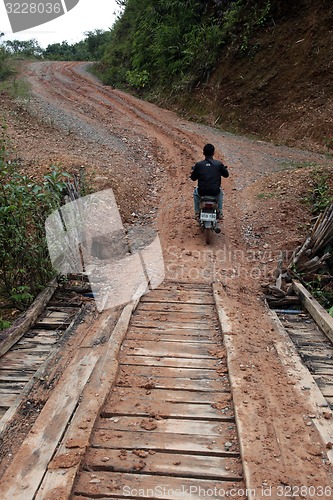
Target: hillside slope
282, 88
260, 67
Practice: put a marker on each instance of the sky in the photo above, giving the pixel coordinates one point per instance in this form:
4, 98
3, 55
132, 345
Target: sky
87, 15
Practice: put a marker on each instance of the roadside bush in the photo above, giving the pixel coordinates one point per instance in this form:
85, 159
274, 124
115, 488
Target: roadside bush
5, 69
25, 267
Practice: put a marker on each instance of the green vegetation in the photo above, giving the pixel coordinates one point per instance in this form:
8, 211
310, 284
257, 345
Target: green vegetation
25, 267
265, 196
176, 44
4, 324
320, 194
5, 69
89, 49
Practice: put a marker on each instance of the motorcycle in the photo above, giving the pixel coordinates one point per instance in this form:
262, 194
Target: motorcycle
209, 216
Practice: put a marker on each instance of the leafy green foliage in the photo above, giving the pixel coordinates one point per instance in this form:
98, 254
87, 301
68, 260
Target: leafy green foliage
163, 43
4, 324
321, 193
24, 205
89, 49
5, 69
24, 48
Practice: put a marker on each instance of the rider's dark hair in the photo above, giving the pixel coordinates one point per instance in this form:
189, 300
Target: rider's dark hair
209, 150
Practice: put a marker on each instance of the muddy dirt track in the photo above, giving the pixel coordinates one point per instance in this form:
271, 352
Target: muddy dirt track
145, 153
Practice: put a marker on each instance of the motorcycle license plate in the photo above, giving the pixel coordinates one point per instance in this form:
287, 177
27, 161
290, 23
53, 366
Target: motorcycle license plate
206, 216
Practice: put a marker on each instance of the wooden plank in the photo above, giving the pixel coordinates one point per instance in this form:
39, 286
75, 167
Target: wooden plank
171, 326
181, 464
10, 387
319, 368
53, 324
318, 353
173, 396
20, 326
183, 443
179, 296
206, 363
175, 307
33, 348
174, 316
35, 341
171, 337
165, 372
16, 375
21, 360
326, 388
171, 383
6, 400
319, 314
57, 314
146, 407
171, 349
129, 485
171, 426
197, 333
31, 334
185, 285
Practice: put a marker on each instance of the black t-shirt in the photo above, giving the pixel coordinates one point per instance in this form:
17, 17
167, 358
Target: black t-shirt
208, 173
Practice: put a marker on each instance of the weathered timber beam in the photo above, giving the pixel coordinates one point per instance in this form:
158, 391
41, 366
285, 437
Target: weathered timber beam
319, 314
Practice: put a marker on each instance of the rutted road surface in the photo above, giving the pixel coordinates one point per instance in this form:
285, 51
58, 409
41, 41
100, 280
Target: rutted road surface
145, 154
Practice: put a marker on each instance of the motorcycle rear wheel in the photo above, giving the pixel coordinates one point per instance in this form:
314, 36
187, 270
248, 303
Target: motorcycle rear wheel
208, 235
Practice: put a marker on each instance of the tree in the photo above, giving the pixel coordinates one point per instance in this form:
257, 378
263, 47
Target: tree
24, 48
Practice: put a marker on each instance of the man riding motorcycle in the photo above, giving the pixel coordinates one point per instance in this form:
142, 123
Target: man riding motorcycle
208, 173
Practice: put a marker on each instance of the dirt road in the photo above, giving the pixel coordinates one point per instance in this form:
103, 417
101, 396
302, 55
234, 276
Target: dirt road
145, 154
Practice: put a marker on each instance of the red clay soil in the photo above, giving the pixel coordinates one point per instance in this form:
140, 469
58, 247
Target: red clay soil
145, 154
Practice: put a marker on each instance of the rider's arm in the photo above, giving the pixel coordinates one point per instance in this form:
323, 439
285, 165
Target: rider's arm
224, 170
194, 173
